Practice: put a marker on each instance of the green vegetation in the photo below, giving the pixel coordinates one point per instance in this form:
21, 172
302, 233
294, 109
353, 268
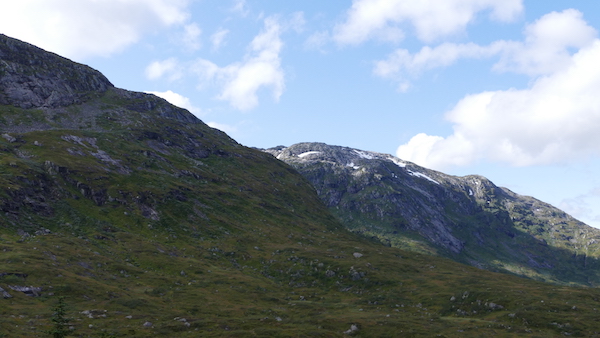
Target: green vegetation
178, 231
60, 320
467, 219
151, 223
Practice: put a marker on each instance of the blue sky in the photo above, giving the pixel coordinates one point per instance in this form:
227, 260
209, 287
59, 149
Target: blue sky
508, 89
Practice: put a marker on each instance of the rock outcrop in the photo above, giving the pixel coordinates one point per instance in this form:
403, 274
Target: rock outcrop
31, 77
468, 219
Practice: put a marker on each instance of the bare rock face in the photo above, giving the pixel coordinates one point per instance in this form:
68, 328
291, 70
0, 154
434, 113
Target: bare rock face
44, 84
468, 219
5, 294
32, 78
368, 189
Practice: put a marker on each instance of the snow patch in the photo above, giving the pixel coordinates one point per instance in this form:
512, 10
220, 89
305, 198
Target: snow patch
364, 155
398, 162
470, 192
351, 165
416, 174
308, 153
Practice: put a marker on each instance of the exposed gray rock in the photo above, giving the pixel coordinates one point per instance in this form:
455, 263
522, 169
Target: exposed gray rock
42, 232
353, 329
377, 186
94, 313
5, 294
9, 138
494, 306
30, 77
44, 85
31, 291
468, 219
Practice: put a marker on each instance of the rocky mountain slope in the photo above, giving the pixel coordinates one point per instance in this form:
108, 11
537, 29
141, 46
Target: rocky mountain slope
150, 223
468, 219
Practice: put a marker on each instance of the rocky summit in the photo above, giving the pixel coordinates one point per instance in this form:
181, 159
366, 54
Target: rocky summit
125, 216
468, 219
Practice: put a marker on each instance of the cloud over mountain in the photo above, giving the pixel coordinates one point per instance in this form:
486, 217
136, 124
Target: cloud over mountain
554, 120
82, 29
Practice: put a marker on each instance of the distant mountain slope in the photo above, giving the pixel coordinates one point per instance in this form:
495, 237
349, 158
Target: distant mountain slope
468, 219
152, 224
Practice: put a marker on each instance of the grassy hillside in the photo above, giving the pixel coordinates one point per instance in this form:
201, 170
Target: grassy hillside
467, 219
175, 226
149, 223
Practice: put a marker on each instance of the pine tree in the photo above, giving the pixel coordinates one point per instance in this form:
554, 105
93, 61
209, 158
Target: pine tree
60, 321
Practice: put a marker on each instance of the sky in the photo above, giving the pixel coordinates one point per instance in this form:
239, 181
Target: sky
506, 89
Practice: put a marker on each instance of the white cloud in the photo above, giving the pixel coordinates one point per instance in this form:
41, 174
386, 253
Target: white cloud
218, 38
546, 48
555, 120
296, 22
178, 100
401, 63
191, 36
228, 129
431, 19
240, 7
548, 44
261, 67
317, 40
80, 29
158, 69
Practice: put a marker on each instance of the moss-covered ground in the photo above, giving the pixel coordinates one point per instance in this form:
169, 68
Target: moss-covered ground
174, 230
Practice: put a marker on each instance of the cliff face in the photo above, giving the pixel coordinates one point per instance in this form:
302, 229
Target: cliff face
31, 77
47, 91
468, 219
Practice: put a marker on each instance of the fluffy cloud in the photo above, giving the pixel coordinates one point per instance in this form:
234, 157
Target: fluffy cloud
178, 100
218, 38
545, 49
191, 37
239, 82
431, 19
158, 69
228, 129
402, 65
80, 29
547, 45
240, 7
555, 120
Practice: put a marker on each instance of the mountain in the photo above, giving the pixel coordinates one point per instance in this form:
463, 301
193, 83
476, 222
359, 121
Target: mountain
468, 219
150, 223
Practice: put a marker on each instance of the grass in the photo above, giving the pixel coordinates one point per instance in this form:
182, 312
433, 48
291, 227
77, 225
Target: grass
493, 229
219, 298
202, 237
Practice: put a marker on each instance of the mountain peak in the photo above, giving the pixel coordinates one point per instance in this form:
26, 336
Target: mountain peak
468, 219
31, 77
42, 91
315, 151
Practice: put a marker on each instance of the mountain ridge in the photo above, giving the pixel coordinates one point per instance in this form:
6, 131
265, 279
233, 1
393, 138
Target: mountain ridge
150, 223
55, 82
381, 195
